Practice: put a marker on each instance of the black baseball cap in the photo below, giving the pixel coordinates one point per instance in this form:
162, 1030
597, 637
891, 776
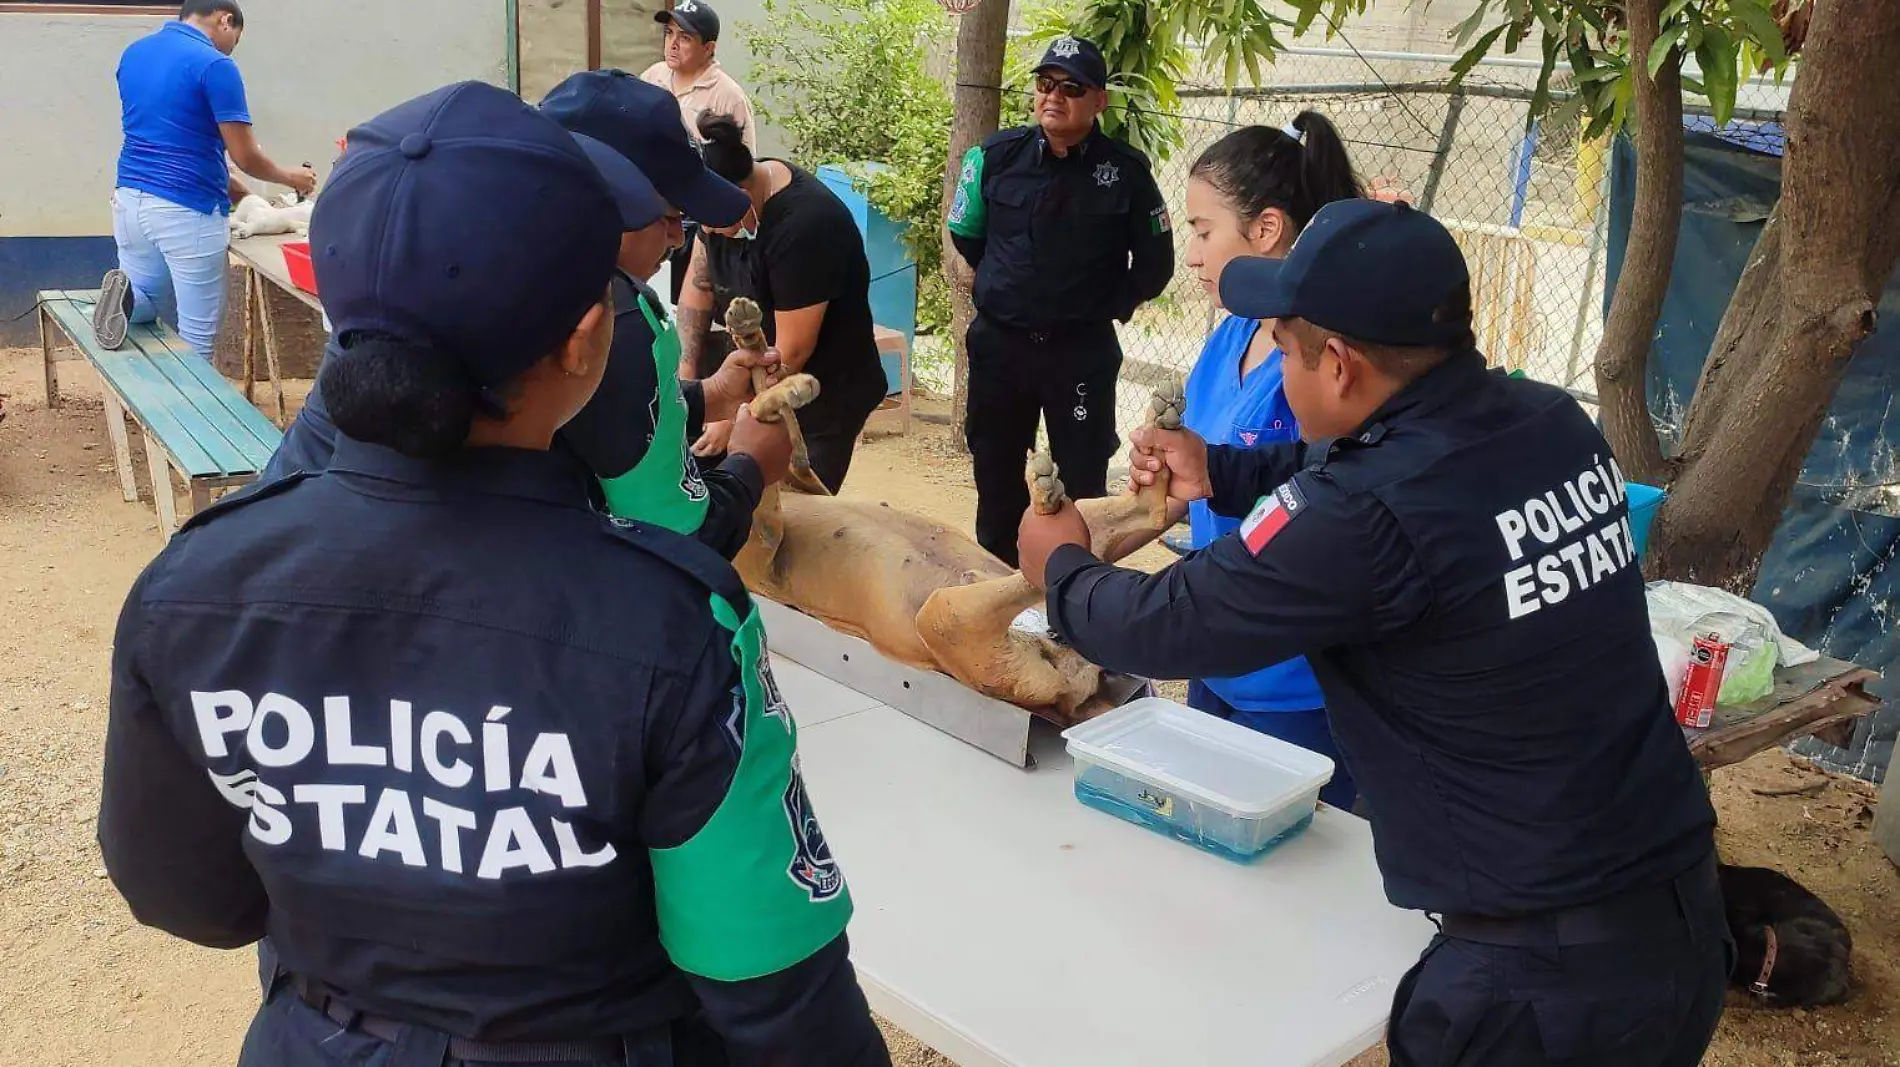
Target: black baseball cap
1077, 58
640, 205
642, 122
1365, 269
470, 223
696, 18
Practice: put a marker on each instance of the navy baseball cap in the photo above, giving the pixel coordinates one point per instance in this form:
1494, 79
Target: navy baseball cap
1077, 58
1366, 269
466, 221
642, 122
640, 206
694, 17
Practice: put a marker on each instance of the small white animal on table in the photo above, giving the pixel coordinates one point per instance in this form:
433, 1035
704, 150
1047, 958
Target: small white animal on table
255, 216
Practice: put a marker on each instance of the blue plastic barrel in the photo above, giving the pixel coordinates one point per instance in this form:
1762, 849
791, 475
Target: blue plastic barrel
1644, 500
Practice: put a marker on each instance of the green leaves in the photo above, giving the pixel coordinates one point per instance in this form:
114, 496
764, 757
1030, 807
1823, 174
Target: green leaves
1763, 32
845, 80
1665, 44
1717, 57
1730, 40
1145, 45
1540, 99
1475, 53
1462, 33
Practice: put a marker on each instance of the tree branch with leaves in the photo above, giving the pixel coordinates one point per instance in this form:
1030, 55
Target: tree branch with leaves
1817, 270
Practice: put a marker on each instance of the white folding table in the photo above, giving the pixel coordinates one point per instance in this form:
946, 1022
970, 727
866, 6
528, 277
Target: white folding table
1006, 925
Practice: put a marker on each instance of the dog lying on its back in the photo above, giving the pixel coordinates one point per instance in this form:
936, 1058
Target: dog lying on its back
1812, 947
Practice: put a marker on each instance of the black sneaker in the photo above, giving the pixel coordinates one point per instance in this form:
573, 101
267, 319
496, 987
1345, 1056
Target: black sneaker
113, 313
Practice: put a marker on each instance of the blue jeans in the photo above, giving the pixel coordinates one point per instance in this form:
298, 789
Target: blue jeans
1307, 729
176, 260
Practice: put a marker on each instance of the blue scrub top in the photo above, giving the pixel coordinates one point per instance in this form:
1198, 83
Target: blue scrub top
1226, 409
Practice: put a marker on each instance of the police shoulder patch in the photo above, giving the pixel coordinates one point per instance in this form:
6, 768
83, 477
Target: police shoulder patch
248, 495
812, 868
1013, 133
1271, 515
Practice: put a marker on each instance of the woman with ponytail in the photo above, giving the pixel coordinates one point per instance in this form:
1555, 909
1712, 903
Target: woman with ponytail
799, 254
1250, 194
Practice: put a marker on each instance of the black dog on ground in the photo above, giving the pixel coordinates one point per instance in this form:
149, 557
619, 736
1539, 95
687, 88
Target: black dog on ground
1791, 949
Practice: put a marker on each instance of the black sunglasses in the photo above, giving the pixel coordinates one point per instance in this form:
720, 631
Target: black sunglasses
1067, 87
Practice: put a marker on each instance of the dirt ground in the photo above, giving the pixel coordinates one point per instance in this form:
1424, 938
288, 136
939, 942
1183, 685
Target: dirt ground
82, 985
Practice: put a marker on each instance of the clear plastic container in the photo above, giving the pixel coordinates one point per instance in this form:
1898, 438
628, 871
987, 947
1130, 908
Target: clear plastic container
1224, 788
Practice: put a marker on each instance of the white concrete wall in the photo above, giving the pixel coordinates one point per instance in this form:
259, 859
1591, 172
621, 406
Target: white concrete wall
312, 69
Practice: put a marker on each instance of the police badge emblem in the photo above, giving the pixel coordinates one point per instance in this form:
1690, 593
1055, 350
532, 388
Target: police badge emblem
812, 865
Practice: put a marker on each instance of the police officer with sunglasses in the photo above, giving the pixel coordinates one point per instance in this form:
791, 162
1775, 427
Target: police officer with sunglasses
1067, 234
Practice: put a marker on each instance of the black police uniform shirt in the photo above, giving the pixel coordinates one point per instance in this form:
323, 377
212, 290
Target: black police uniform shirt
435, 728
611, 434
1079, 239
614, 431
1462, 578
808, 251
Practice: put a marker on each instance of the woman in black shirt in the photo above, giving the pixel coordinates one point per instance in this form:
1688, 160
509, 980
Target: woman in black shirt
799, 253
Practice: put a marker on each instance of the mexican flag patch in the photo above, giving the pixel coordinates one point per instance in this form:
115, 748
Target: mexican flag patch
1160, 221
1271, 515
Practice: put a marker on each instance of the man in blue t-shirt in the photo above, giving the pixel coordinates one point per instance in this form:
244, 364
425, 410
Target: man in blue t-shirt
183, 107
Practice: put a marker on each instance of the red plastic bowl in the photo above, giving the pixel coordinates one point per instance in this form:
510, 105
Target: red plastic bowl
303, 274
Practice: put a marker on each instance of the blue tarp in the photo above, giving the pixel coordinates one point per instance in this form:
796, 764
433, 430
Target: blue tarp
1830, 576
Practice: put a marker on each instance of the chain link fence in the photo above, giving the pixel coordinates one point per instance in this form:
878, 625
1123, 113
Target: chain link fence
1528, 201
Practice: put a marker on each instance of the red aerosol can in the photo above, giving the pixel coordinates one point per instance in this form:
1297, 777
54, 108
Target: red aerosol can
1707, 659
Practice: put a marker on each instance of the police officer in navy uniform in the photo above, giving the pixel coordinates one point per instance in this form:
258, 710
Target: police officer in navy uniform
1067, 234
635, 431
504, 780
1451, 550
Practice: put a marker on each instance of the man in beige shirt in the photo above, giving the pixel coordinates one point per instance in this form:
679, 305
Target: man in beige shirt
692, 74
696, 80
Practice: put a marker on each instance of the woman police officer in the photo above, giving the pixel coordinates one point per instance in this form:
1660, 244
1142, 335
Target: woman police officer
504, 780
635, 431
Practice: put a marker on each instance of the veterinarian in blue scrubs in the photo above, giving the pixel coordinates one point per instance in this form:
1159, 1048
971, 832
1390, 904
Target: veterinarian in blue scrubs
1250, 194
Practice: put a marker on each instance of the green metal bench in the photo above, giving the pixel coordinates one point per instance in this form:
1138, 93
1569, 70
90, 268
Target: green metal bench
193, 421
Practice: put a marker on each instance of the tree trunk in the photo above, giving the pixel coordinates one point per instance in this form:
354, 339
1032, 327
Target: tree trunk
982, 39
1832, 246
1622, 361
1733, 360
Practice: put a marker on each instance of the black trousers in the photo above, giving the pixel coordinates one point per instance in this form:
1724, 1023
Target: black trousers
1063, 376
831, 425
286, 1032
830, 445
1641, 987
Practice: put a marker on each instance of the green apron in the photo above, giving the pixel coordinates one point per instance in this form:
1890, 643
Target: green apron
757, 889
664, 488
